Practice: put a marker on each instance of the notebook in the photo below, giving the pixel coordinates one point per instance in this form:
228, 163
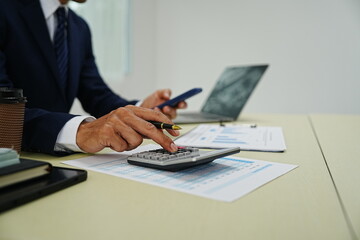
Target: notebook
229, 96
22, 171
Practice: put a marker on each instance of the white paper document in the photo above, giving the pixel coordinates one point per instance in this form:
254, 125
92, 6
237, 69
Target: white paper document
225, 179
269, 139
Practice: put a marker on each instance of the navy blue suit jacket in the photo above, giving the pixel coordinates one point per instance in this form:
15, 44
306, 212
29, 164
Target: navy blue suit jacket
28, 61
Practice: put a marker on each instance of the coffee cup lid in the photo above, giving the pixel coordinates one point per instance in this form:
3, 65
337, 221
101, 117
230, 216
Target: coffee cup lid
12, 95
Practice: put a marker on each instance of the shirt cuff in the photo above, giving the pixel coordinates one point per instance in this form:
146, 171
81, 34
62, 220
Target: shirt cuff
66, 140
138, 104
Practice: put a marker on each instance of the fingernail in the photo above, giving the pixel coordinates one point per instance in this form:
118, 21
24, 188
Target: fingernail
173, 147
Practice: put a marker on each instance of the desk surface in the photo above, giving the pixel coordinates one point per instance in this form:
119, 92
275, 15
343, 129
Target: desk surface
302, 204
339, 138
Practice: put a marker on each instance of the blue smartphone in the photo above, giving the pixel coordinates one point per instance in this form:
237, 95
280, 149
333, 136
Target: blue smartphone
174, 101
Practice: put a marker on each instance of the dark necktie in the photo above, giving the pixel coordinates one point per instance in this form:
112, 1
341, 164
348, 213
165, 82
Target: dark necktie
61, 45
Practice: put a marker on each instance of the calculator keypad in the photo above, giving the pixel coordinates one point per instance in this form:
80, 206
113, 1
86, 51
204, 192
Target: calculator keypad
163, 156
184, 158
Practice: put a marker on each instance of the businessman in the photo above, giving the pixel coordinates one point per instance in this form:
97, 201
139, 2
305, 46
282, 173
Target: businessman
46, 50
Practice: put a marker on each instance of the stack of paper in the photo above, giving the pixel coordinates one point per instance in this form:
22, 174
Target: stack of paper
250, 138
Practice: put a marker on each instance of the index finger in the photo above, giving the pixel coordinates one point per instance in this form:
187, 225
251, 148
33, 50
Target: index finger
139, 124
171, 112
150, 114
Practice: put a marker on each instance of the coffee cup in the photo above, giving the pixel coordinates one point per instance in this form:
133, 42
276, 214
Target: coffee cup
12, 109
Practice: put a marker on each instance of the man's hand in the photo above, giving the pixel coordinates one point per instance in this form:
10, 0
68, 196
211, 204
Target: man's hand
159, 97
124, 129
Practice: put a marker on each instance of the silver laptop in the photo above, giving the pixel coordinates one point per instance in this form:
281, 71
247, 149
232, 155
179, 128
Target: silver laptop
227, 99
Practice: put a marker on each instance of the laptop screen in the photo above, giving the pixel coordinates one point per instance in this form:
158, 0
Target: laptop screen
233, 89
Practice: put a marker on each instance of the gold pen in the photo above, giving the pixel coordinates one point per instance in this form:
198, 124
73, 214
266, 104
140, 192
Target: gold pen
162, 125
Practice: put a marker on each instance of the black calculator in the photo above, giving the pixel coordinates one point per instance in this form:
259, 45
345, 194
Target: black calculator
185, 157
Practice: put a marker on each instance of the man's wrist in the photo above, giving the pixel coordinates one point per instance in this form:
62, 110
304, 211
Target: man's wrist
66, 140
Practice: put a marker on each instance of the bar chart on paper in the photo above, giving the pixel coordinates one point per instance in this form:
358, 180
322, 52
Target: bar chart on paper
225, 179
245, 137
230, 135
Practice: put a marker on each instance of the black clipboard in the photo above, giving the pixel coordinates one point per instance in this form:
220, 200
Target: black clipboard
21, 193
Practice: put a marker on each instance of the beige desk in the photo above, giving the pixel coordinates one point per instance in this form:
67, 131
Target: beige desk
302, 204
339, 138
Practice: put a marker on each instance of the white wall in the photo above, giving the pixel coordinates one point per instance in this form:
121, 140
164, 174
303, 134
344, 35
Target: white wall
142, 80
312, 46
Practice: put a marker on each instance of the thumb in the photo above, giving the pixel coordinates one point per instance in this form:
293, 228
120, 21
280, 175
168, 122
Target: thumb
165, 94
